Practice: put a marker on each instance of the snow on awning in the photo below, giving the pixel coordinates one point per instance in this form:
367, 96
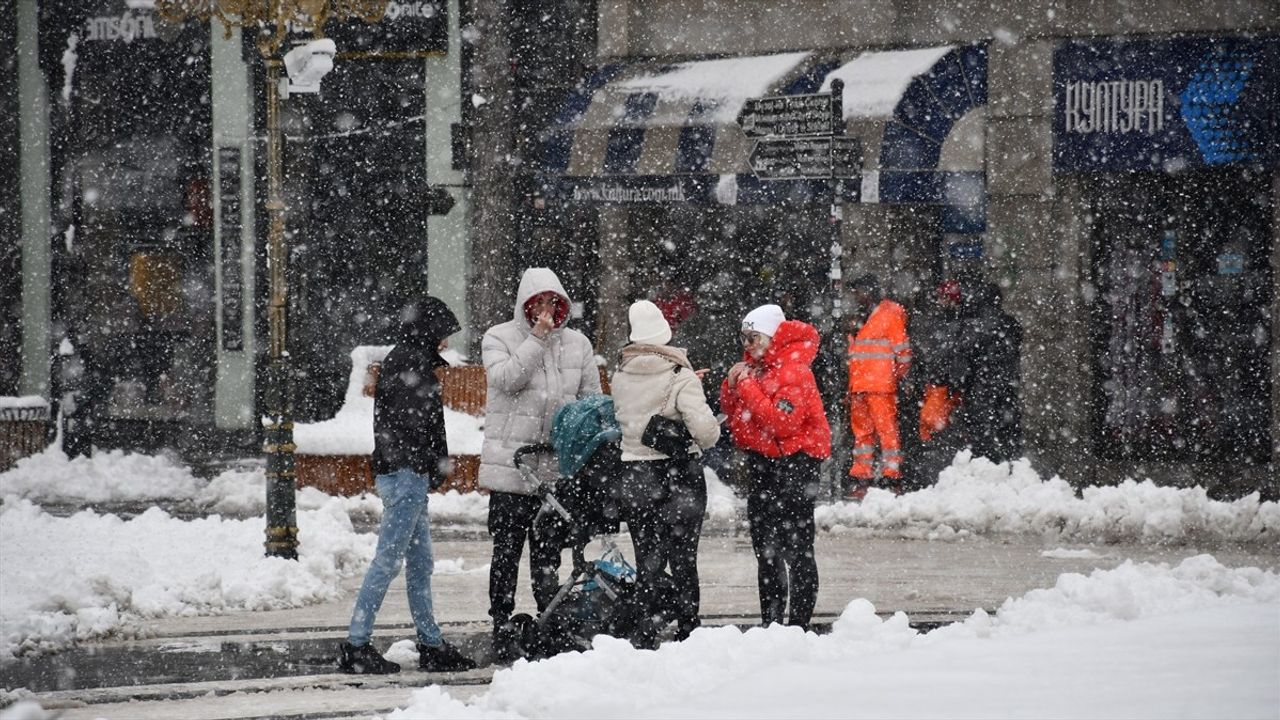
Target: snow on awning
922, 113
712, 91
668, 132
648, 118
874, 82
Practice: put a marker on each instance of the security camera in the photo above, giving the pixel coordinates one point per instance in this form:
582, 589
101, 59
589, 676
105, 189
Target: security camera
307, 64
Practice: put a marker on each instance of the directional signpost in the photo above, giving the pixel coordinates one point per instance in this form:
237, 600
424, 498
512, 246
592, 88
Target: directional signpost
787, 115
800, 138
806, 158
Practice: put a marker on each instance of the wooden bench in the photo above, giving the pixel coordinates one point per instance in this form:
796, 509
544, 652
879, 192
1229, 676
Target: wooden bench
463, 389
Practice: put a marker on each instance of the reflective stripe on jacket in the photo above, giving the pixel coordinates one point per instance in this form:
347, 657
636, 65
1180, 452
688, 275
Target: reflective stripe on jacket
880, 354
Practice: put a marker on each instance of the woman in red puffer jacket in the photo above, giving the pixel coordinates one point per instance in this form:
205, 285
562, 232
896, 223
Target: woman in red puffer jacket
776, 417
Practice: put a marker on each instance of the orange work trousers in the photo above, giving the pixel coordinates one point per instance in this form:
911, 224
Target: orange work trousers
874, 417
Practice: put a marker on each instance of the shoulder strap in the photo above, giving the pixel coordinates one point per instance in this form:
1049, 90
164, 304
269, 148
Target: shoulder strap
670, 385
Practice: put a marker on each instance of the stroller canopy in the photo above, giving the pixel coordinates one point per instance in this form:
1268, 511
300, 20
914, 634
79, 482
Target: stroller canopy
579, 428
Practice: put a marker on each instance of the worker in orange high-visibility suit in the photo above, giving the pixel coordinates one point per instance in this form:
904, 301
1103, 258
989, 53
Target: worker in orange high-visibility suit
879, 357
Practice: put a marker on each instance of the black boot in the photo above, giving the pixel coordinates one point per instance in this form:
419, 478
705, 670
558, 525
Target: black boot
364, 660
443, 658
505, 642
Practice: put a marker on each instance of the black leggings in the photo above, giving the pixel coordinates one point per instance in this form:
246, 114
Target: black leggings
667, 534
510, 523
780, 509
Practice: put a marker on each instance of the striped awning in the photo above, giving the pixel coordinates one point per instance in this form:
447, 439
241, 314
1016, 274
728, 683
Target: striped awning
651, 119
919, 113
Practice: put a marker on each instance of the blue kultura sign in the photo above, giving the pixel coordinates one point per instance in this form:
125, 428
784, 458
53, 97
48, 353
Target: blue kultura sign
1166, 105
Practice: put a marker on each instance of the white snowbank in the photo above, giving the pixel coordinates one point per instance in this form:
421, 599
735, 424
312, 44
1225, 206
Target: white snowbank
972, 496
96, 575
109, 476
975, 495
1142, 640
23, 401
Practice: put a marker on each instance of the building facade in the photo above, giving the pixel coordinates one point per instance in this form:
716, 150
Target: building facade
1112, 166
141, 184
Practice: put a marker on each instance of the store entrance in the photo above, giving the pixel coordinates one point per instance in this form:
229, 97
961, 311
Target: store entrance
1181, 330
357, 161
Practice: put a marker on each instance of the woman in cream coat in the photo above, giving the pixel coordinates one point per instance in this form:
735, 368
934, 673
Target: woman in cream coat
655, 379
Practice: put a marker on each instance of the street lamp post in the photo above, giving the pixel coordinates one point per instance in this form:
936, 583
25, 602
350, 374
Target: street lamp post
272, 19
282, 516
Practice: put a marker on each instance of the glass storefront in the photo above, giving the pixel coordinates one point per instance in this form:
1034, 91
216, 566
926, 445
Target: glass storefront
358, 199
1181, 316
135, 261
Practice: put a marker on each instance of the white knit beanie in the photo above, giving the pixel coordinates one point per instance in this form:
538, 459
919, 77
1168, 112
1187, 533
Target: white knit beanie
648, 326
764, 319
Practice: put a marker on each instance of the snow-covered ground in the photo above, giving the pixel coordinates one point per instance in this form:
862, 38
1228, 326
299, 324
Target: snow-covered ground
90, 575
65, 579
1198, 640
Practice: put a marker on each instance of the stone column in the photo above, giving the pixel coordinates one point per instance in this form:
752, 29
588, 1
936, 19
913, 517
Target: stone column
615, 281
492, 280
33, 103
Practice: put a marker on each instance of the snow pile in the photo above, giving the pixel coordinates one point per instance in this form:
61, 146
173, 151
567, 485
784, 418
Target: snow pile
118, 477
109, 476
972, 496
977, 496
350, 430
96, 575
1122, 642
23, 402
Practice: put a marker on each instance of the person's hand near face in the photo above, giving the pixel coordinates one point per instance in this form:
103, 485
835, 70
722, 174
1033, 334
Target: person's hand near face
544, 316
756, 344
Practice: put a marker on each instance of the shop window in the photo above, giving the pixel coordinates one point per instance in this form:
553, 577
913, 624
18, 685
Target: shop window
1181, 328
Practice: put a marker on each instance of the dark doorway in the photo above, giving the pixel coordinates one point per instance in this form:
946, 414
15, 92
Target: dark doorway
1181, 330
358, 154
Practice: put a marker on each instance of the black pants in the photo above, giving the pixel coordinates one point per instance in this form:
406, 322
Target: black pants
666, 533
780, 510
510, 523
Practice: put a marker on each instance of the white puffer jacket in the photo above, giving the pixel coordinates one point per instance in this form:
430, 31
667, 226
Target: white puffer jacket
656, 379
529, 379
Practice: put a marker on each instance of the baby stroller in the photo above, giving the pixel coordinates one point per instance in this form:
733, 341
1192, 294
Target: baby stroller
599, 597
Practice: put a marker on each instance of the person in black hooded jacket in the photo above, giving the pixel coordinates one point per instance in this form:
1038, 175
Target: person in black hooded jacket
410, 458
991, 378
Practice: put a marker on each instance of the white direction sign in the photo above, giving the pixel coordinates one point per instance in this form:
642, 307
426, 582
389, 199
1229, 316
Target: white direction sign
804, 158
787, 115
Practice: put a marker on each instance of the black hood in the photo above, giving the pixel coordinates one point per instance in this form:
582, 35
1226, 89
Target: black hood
427, 322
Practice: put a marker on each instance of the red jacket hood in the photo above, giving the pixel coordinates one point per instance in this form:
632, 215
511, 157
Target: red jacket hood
794, 342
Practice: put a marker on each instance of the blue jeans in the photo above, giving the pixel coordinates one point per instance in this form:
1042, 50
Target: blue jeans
404, 535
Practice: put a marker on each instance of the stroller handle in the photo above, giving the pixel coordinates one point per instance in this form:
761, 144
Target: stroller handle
519, 457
